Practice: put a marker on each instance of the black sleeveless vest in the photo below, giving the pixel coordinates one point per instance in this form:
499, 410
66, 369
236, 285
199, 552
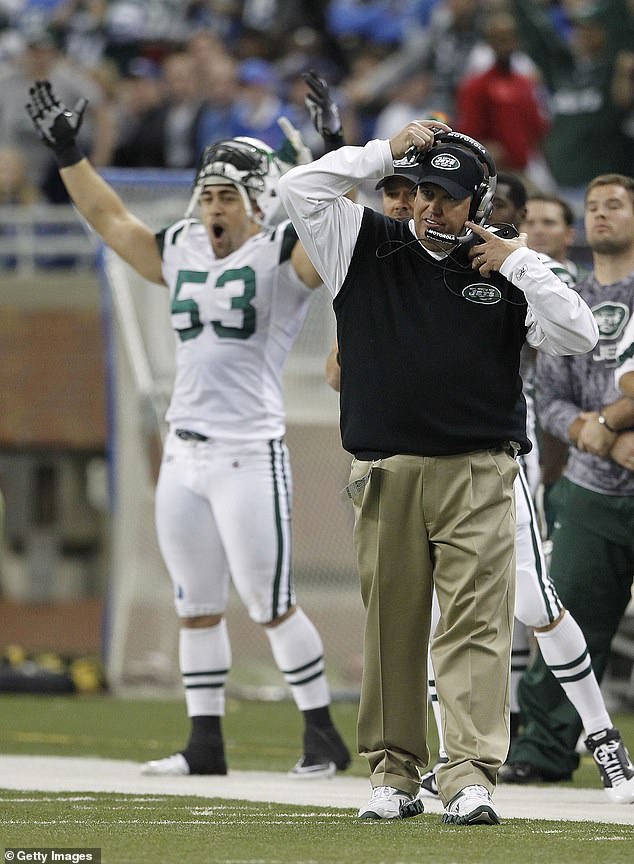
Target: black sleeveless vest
429, 350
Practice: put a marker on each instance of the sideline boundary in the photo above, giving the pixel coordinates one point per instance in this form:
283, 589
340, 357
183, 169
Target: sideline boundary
78, 774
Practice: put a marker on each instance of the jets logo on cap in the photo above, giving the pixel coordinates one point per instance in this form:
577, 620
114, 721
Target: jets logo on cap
446, 162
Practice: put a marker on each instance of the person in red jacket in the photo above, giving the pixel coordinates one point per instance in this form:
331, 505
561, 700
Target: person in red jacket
502, 107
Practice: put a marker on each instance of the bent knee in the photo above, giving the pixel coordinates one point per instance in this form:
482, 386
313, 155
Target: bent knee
275, 622
551, 625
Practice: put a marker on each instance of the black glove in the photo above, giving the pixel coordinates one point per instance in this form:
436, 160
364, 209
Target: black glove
324, 112
56, 125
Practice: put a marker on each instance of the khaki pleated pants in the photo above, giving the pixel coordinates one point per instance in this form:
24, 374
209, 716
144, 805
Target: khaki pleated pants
447, 522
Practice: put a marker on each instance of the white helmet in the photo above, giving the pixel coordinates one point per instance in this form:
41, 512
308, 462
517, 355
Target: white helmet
252, 167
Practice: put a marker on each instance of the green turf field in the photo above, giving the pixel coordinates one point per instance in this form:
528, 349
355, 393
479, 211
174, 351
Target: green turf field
132, 829
260, 736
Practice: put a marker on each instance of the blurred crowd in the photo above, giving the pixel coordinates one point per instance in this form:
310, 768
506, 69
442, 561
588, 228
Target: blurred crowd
548, 87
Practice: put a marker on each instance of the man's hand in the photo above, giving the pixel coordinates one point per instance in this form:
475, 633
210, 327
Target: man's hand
622, 451
57, 126
324, 111
594, 438
418, 135
492, 251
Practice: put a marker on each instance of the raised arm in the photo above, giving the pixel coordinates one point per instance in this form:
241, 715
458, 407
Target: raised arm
314, 196
327, 223
97, 202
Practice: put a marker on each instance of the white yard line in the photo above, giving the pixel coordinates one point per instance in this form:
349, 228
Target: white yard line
73, 774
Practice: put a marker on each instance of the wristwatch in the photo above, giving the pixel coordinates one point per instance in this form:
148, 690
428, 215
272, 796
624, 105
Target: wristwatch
602, 420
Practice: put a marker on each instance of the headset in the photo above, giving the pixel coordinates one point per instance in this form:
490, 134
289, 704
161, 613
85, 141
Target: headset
482, 201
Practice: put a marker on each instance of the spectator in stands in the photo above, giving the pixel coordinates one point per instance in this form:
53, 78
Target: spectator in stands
271, 22
140, 95
623, 95
412, 98
221, 93
307, 48
502, 108
208, 50
353, 24
442, 48
258, 107
15, 189
15, 184
586, 135
171, 128
84, 24
40, 58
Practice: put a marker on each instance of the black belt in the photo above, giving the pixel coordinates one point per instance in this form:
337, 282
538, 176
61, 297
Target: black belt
186, 435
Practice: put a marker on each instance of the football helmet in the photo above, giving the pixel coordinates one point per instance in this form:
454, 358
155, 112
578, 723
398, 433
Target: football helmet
252, 167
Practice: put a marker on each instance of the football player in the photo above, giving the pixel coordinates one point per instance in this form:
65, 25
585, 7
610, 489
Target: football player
238, 293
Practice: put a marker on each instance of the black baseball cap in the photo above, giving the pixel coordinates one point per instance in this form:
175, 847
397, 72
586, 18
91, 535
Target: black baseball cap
409, 174
401, 173
452, 168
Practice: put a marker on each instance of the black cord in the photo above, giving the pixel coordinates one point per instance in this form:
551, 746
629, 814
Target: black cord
460, 269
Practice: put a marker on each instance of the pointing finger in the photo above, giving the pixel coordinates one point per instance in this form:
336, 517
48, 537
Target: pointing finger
479, 230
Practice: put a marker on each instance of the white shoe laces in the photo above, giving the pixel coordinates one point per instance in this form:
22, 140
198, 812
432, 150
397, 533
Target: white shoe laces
380, 792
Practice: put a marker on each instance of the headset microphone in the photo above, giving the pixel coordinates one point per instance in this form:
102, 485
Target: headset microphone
450, 238
505, 232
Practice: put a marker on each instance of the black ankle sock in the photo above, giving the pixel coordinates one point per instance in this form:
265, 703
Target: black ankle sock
204, 727
319, 717
205, 752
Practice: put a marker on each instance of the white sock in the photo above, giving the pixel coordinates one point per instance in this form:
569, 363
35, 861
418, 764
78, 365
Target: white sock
205, 660
565, 652
519, 660
299, 654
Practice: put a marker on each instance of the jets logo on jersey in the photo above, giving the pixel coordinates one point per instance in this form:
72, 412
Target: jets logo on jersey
482, 293
610, 318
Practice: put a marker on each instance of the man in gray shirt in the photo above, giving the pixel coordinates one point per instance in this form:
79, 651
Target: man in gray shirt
593, 542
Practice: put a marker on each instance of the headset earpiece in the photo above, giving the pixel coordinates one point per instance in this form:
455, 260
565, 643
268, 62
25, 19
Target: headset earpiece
482, 202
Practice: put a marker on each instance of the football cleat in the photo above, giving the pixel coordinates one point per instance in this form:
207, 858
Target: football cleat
207, 760
170, 766
325, 753
428, 782
304, 770
614, 764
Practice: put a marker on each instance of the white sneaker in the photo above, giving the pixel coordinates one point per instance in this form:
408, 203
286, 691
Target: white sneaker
471, 806
386, 802
170, 766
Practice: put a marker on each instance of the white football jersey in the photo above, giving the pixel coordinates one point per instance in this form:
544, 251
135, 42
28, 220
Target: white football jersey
235, 321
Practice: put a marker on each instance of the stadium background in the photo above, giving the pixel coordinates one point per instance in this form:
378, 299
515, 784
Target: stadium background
86, 359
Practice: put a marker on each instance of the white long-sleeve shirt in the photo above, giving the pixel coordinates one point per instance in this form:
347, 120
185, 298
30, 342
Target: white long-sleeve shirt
328, 224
